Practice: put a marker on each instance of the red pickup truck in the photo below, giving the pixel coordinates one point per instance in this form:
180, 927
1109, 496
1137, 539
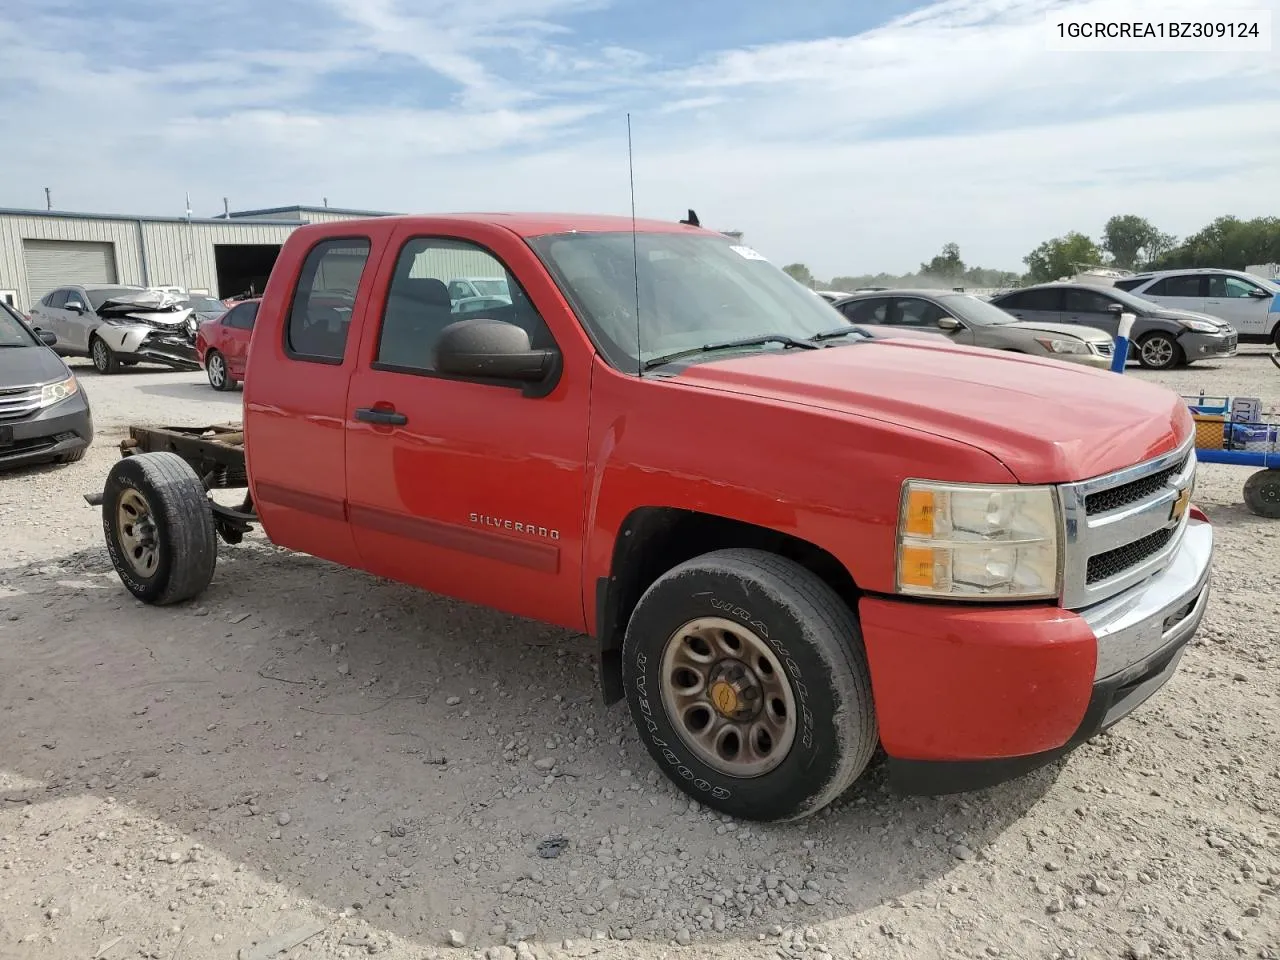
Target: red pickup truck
792, 543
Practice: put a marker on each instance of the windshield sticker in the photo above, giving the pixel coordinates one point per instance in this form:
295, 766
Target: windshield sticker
746, 252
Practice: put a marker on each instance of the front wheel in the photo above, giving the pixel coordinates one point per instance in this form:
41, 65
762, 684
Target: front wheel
1159, 351
159, 528
746, 676
104, 358
215, 365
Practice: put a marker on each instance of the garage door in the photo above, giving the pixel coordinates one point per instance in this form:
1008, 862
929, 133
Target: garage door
57, 263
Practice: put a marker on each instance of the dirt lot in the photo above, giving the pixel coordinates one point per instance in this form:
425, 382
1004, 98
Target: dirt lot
313, 753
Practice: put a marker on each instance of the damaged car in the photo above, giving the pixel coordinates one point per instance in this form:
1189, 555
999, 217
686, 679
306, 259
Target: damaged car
118, 325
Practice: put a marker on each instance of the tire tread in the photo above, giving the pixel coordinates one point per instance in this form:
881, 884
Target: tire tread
177, 492
833, 629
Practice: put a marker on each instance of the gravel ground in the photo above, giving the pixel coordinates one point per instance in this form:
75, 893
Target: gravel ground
314, 755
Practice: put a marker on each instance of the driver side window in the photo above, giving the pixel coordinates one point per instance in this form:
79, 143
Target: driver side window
419, 304
914, 312
1230, 287
873, 311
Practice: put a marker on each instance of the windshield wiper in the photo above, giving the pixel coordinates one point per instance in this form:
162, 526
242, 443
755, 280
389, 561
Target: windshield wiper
841, 332
782, 338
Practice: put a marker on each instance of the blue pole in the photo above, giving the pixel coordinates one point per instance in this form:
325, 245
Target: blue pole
1121, 355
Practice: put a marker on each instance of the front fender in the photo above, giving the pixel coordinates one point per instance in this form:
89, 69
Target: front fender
123, 337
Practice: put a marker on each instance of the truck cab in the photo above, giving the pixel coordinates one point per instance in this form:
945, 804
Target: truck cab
791, 542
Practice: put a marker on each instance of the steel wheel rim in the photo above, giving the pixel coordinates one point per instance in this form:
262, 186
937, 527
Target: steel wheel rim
1158, 351
728, 697
216, 371
137, 533
100, 354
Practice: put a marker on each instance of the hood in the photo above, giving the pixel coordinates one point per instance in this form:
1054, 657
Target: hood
1172, 313
20, 366
1048, 422
1074, 331
147, 306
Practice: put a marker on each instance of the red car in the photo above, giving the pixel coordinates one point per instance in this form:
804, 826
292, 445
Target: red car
222, 344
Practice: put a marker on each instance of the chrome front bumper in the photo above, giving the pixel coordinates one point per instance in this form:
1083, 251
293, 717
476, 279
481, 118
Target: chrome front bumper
1160, 613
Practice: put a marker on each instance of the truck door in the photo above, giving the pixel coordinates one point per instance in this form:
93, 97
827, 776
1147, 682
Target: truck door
295, 433
467, 488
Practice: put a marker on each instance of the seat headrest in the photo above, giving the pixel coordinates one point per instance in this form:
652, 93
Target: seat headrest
426, 290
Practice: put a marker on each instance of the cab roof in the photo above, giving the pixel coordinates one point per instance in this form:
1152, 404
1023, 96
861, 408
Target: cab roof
541, 224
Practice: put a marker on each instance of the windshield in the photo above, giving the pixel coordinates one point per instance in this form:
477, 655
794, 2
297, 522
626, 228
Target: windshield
13, 333
693, 290
970, 309
491, 288
205, 305
100, 296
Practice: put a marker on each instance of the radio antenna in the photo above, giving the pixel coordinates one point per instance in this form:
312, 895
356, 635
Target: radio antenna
635, 248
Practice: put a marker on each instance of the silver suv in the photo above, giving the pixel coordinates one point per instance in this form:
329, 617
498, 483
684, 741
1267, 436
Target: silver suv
118, 325
1250, 304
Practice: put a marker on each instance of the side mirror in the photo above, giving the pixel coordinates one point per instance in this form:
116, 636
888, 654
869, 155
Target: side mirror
47, 337
948, 323
75, 306
493, 349
1116, 308
1260, 294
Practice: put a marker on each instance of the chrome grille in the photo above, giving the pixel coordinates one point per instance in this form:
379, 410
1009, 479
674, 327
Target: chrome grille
1117, 497
1103, 349
1123, 527
1104, 566
17, 402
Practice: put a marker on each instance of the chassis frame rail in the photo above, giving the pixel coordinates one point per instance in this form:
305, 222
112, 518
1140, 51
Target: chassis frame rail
215, 453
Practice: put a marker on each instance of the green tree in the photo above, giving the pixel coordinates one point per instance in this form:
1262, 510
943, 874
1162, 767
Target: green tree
1134, 242
1227, 242
946, 266
1058, 257
800, 273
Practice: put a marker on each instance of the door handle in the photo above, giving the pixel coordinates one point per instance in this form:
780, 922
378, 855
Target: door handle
383, 416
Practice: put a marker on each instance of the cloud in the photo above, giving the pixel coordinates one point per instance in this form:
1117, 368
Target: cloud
852, 151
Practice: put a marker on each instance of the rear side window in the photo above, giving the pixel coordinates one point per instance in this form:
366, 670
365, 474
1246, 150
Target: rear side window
55, 299
1130, 283
1187, 285
320, 318
241, 317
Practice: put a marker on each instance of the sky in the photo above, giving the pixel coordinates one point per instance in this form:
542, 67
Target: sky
855, 136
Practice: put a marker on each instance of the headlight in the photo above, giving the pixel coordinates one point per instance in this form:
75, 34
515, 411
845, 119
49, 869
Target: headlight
1062, 346
977, 543
1200, 326
52, 393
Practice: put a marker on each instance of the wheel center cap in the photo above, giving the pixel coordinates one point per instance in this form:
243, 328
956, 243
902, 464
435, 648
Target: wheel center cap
734, 691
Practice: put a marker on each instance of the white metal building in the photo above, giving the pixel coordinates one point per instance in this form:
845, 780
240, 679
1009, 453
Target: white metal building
226, 256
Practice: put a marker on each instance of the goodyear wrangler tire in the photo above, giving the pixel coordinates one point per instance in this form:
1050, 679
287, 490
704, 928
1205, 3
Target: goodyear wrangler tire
159, 528
747, 679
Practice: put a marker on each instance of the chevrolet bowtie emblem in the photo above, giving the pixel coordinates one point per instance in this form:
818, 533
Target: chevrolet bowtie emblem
1180, 505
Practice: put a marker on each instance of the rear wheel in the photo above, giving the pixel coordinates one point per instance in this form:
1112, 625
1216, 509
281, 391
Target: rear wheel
215, 365
746, 676
104, 358
159, 528
1159, 351
1262, 494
